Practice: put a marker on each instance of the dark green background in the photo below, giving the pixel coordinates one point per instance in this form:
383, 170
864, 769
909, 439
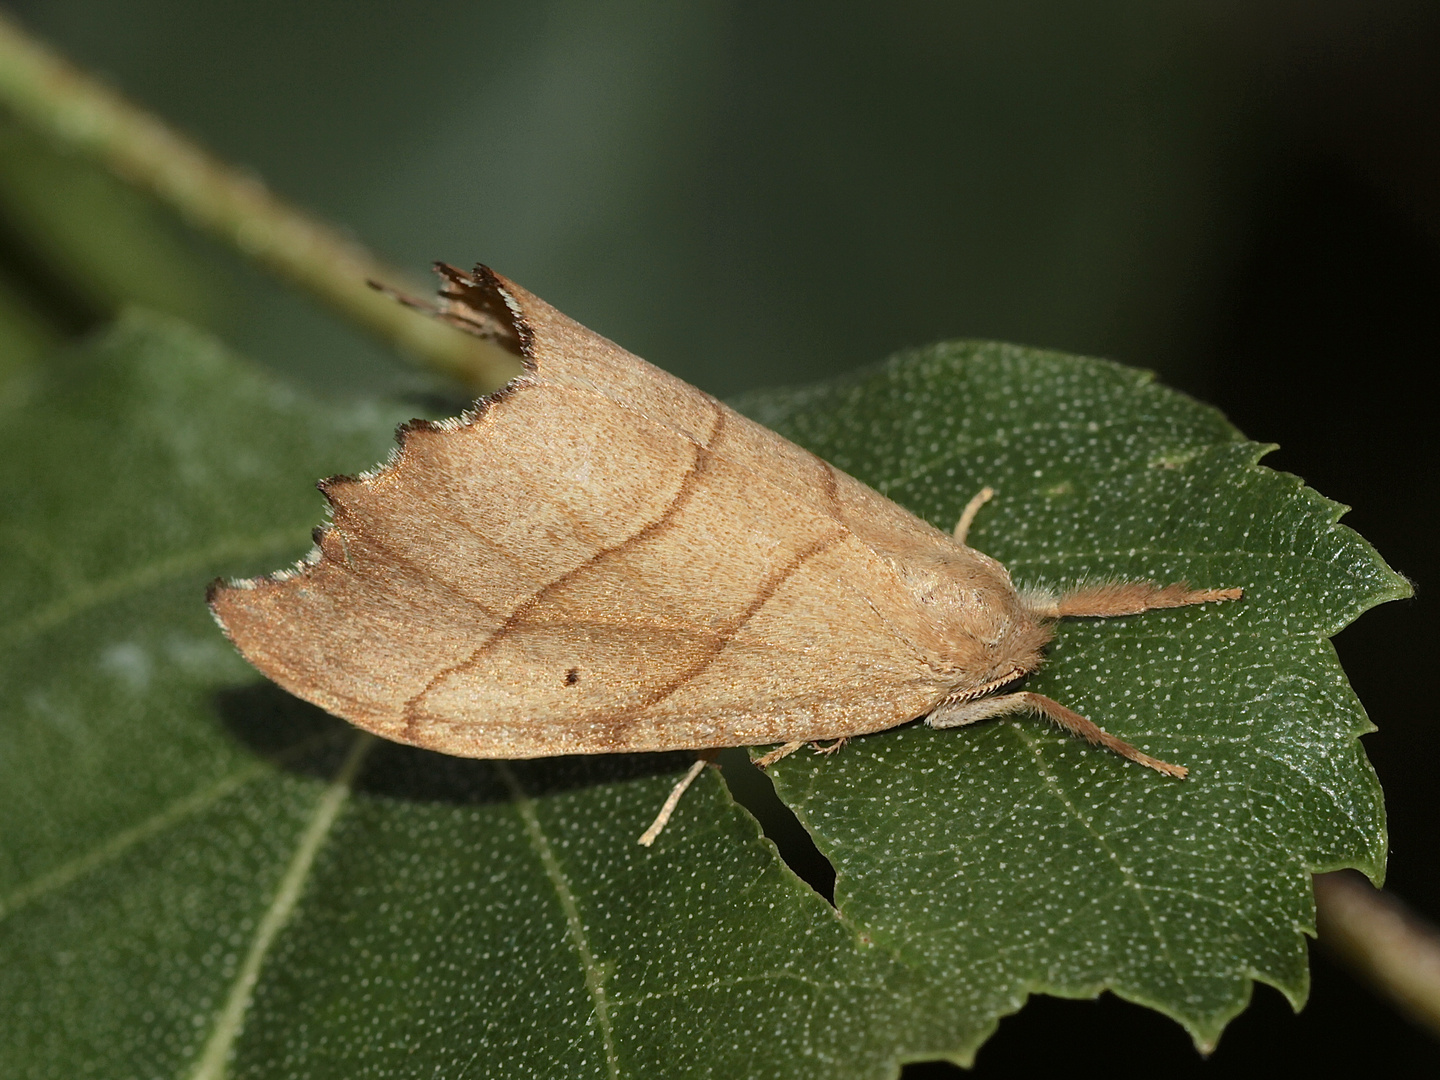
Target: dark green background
1244, 197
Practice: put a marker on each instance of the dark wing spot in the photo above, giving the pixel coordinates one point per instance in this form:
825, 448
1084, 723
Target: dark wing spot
572, 676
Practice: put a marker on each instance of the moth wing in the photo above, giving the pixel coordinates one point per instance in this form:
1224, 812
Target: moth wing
525, 586
601, 558
567, 353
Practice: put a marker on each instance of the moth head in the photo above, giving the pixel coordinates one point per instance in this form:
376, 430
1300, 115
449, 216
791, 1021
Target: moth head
987, 633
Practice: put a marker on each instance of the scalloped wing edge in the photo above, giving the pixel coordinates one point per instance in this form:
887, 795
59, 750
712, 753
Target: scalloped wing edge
458, 292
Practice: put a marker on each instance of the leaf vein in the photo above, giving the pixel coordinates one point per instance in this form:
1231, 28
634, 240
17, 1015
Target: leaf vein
964, 446
125, 839
67, 607
216, 1053
574, 925
737, 980
1126, 874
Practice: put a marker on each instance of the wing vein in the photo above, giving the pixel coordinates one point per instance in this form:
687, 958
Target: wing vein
684, 492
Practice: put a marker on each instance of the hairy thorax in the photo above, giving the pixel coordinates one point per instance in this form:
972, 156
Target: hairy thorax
984, 633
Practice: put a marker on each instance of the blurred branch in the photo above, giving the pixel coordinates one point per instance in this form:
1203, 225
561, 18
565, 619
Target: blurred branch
87, 118
1380, 940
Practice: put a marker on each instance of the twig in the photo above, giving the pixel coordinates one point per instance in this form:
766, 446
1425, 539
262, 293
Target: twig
1381, 941
82, 116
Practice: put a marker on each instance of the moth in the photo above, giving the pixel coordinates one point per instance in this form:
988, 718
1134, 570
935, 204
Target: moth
600, 558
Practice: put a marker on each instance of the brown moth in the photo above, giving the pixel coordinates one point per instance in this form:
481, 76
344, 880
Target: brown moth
601, 558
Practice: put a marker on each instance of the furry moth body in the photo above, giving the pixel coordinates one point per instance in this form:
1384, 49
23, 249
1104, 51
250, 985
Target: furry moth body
601, 558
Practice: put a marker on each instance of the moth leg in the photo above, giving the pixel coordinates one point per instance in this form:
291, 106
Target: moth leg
766, 760
832, 747
1126, 598
960, 713
673, 799
967, 516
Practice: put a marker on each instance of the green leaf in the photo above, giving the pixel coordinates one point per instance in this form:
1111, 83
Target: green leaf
201, 875
1061, 871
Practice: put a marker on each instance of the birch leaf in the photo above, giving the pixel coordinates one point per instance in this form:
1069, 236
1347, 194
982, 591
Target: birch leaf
202, 876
